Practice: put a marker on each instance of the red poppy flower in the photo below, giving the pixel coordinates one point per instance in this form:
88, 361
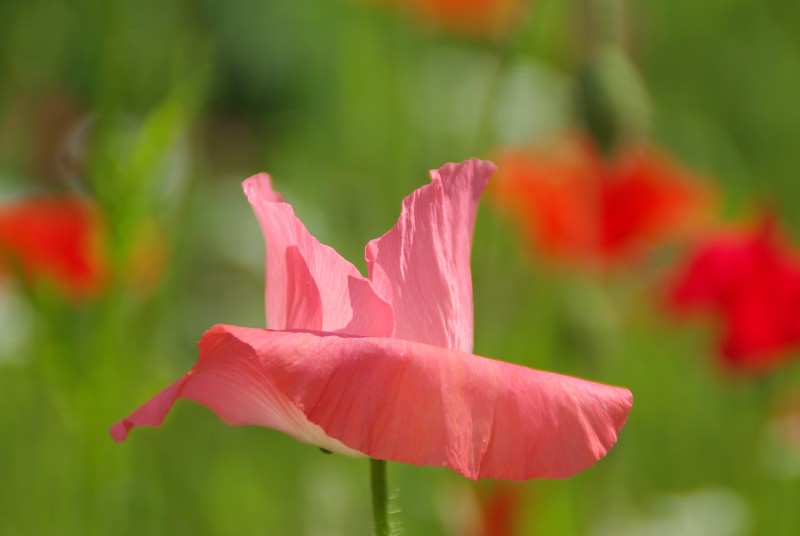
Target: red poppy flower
751, 282
53, 238
576, 206
382, 366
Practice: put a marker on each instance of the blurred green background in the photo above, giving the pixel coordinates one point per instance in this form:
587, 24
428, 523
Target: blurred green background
158, 110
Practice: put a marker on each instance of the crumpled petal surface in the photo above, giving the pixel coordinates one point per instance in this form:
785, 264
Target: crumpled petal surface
231, 380
422, 265
309, 285
400, 400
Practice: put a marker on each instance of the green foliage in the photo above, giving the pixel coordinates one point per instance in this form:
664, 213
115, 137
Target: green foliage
348, 106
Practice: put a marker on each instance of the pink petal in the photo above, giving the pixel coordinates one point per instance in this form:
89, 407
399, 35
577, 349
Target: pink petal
403, 401
230, 380
422, 265
309, 285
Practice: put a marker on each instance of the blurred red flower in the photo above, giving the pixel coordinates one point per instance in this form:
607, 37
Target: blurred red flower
53, 238
60, 240
499, 508
751, 282
473, 17
575, 206
476, 18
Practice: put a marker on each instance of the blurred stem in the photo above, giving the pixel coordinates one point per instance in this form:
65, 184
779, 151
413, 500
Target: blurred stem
506, 50
485, 132
380, 497
611, 99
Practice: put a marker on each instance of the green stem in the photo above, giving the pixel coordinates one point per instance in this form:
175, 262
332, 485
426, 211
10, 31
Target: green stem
380, 497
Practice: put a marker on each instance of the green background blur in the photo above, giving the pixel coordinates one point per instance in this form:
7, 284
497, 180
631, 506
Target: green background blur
158, 110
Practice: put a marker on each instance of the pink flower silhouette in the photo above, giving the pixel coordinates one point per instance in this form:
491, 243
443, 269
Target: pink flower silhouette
382, 366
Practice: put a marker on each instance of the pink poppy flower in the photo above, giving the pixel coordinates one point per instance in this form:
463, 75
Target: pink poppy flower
382, 366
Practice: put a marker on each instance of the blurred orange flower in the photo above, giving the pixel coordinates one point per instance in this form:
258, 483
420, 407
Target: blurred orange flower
53, 238
751, 281
577, 207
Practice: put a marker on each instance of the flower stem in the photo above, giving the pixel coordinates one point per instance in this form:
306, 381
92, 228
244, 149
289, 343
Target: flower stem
380, 497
